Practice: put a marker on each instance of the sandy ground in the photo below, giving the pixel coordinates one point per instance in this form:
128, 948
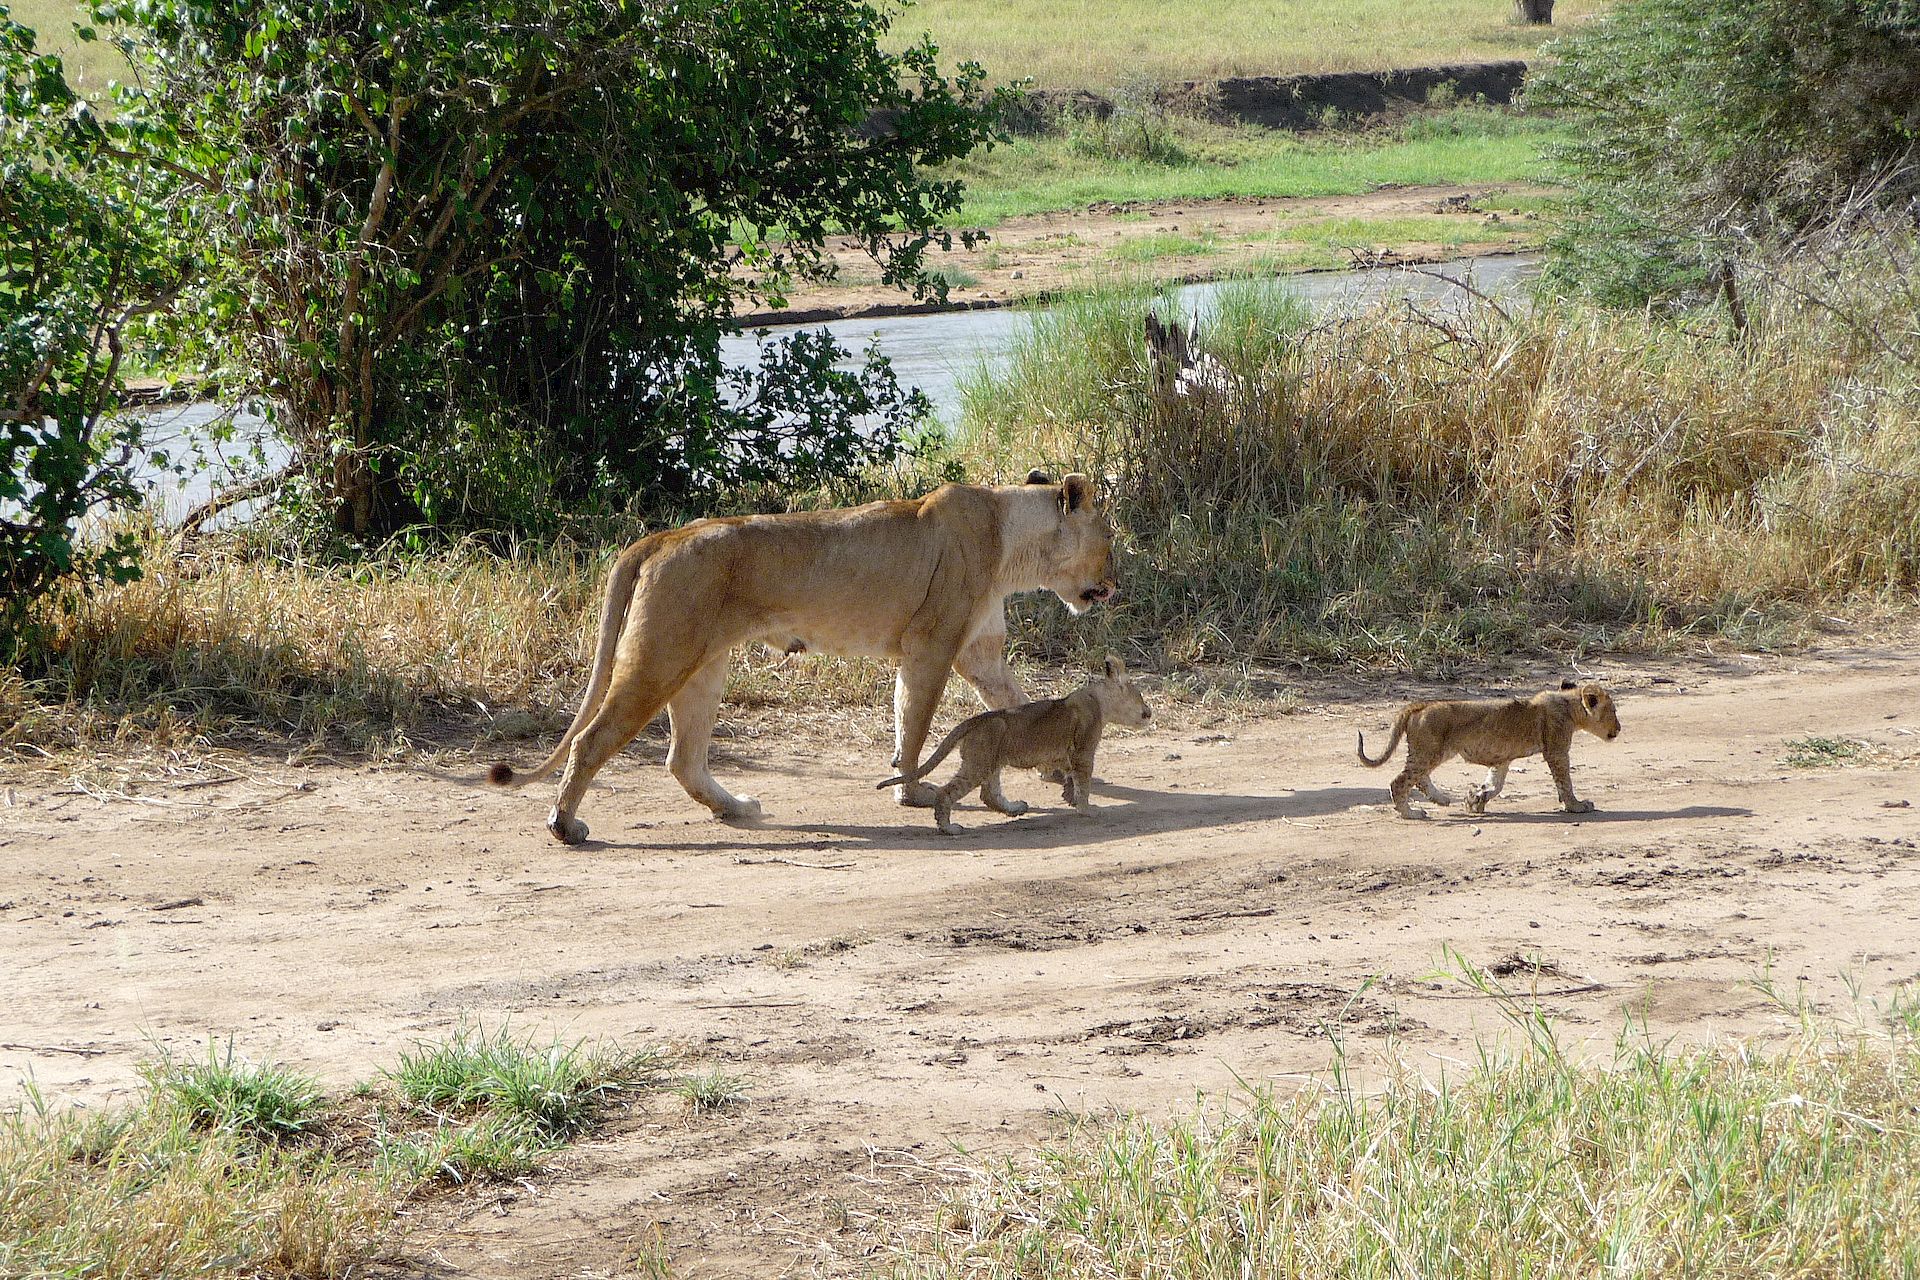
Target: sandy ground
894, 995
1047, 253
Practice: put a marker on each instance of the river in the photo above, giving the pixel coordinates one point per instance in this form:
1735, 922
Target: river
931, 352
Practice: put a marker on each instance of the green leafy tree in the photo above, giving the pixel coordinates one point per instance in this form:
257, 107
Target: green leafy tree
1702, 125
86, 256
481, 252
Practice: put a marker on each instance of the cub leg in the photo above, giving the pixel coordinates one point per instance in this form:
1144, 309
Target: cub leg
1563, 782
1081, 775
1495, 783
996, 799
1435, 792
962, 784
692, 713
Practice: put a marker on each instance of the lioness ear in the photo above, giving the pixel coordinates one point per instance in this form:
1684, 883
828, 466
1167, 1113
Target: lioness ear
1038, 476
1568, 684
1076, 491
1115, 668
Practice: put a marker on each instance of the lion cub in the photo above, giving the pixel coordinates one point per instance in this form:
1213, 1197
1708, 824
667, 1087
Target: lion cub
1495, 734
1053, 733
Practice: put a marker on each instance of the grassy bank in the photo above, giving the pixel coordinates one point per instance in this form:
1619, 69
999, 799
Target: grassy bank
1106, 42
224, 1167
1414, 490
1173, 158
1727, 1160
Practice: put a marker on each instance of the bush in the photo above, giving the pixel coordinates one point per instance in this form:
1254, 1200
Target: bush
1703, 125
83, 263
482, 253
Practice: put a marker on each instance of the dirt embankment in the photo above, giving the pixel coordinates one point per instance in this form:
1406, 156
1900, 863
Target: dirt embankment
891, 992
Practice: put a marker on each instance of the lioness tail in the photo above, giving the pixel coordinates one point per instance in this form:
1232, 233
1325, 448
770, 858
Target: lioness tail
1399, 732
613, 616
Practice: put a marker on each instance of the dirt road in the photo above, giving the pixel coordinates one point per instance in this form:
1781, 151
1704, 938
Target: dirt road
891, 992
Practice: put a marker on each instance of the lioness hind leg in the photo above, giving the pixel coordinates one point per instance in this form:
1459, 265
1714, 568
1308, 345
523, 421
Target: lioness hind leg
996, 799
692, 714
623, 713
1495, 783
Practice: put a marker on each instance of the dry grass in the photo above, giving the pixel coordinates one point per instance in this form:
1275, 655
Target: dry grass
1101, 43
1414, 490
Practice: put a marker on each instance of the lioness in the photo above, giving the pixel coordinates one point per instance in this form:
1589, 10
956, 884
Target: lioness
1495, 734
1053, 733
922, 580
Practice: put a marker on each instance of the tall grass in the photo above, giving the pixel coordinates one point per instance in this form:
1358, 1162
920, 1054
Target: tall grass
1716, 1162
1408, 488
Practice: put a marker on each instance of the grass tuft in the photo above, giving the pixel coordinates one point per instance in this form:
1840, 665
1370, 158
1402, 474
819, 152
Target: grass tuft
265, 1102
713, 1090
551, 1090
1814, 753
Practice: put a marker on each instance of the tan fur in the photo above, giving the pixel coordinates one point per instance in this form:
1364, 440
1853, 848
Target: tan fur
923, 581
1052, 734
1495, 734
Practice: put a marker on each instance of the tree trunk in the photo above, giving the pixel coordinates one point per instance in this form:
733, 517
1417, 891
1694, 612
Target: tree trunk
1537, 13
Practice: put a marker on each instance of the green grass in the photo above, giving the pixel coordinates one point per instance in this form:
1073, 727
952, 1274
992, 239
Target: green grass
1098, 43
227, 1169
1814, 753
90, 66
1726, 1161
1339, 233
1163, 244
551, 1089
1468, 146
264, 1102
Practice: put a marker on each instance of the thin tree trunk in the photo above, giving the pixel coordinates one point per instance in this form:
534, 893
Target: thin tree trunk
1537, 13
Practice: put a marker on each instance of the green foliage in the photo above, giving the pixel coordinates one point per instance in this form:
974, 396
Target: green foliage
83, 235
1702, 125
482, 252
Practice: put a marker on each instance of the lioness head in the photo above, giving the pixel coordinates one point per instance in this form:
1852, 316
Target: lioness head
1080, 560
1120, 702
1593, 710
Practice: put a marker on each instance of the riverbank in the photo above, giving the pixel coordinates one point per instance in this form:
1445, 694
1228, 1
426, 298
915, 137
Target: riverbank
1034, 257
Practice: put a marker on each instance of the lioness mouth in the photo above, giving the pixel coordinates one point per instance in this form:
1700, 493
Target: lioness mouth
1097, 595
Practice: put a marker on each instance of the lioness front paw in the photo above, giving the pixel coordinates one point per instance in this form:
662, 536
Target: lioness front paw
915, 795
566, 830
1579, 806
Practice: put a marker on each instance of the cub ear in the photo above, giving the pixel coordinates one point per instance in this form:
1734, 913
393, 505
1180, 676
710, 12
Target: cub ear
1076, 491
1591, 699
1569, 684
1038, 476
1115, 668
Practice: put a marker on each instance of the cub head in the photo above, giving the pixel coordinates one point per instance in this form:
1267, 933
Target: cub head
1078, 560
1593, 710
1120, 702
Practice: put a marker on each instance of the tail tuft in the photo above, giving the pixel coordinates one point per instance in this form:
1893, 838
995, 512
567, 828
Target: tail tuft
500, 773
